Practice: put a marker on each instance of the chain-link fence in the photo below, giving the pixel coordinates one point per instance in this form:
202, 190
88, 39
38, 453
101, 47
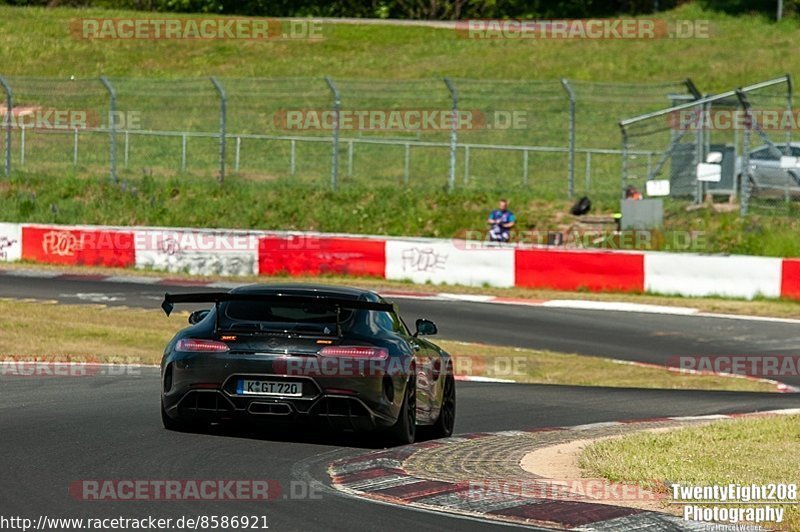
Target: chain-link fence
736, 144
556, 138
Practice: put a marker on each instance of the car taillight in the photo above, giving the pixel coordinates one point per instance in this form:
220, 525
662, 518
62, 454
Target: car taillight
373, 353
196, 345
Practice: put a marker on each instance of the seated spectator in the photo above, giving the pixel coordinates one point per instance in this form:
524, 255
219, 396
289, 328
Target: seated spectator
500, 221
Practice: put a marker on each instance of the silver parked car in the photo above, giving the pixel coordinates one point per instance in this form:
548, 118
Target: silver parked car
767, 178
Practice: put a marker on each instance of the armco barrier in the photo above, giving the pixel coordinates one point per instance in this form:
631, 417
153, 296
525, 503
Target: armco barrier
84, 246
198, 252
699, 275
224, 252
314, 255
790, 278
10, 242
580, 270
444, 261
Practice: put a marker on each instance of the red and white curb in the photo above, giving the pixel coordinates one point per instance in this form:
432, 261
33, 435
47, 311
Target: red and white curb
380, 476
780, 387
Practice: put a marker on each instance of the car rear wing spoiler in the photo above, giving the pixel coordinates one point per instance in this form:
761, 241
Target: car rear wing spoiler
219, 297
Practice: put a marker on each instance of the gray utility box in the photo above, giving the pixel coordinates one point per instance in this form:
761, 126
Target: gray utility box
642, 214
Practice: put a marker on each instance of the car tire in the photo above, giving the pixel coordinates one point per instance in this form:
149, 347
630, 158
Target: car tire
445, 423
404, 431
177, 425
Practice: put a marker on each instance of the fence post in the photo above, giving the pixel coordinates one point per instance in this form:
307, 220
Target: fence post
223, 123
183, 152
75, 148
451, 180
7, 122
699, 156
692, 88
293, 153
112, 126
466, 164
789, 91
406, 162
745, 173
238, 153
350, 159
337, 104
525, 167
624, 158
571, 163
587, 177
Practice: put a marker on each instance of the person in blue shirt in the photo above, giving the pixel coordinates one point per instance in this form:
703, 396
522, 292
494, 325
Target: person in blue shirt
500, 221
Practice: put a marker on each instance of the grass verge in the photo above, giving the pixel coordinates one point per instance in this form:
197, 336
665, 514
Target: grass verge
388, 210
95, 333
745, 451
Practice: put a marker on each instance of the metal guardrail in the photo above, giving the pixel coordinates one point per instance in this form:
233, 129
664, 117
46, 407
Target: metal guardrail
407, 145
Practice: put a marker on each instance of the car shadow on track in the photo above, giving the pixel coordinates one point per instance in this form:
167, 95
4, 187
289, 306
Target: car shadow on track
300, 433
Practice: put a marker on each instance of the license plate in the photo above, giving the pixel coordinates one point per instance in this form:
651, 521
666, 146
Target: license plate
290, 389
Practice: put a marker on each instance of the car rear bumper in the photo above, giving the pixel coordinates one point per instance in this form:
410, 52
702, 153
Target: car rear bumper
345, 412
206, 387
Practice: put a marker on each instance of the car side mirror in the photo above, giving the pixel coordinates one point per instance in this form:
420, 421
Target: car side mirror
198, 316
425, 328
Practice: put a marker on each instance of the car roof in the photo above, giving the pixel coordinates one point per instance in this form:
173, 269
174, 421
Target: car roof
777, 145
346, 292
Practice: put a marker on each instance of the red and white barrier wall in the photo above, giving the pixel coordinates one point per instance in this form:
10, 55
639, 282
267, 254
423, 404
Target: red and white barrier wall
224, 252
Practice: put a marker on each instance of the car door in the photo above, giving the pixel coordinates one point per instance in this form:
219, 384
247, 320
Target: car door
426, 382
428, 370
438, 364
767, 169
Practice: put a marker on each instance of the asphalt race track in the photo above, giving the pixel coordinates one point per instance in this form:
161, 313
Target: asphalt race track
56, 431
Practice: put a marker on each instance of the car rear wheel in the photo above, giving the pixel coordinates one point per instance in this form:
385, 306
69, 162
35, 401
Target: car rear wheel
178, 425
447, 416
404, 431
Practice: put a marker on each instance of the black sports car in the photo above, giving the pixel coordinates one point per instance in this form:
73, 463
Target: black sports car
341, 356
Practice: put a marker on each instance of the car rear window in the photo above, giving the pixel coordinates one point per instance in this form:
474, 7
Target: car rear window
313, 316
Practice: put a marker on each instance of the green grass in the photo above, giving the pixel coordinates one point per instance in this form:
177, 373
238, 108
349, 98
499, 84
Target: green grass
379, 210
37, 42
548, 367
403, 67
746, 451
